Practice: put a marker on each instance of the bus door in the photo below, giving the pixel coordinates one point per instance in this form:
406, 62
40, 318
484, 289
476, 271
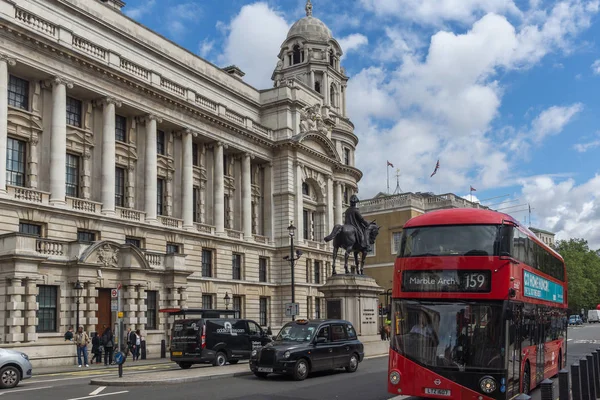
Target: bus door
514, 333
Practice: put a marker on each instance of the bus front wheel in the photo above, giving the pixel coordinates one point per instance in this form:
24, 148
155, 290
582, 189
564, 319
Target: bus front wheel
526, 380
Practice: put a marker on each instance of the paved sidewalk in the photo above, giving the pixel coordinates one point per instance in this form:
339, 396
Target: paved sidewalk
196, 373
100, 367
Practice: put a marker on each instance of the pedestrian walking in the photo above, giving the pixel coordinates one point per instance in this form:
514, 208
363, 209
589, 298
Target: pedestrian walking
138, 345
108, 342
131, 340
81, 341
96, 348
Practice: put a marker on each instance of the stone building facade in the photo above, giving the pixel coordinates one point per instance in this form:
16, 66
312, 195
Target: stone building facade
125, 159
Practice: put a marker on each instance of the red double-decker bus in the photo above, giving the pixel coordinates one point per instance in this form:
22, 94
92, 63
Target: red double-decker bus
479, 308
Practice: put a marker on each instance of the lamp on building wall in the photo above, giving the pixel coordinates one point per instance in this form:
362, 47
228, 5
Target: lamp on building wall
227, 300
294, 255
78, 288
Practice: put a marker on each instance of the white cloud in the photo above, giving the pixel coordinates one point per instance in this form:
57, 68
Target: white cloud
254, 38
181, 18
397, 43
139, 12
435, 12
552, 120
569, 210
583, 147
352, 42
205, 47
596, 67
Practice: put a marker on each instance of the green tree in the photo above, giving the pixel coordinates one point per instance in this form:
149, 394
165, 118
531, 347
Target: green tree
583, 273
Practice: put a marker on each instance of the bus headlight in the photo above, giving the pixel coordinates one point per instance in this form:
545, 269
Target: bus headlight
394, 377
487, 384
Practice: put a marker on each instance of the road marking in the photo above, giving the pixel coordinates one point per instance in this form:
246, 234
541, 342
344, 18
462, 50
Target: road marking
100, 395
588, 341
568, 340
97, 391
24, 390
399, 398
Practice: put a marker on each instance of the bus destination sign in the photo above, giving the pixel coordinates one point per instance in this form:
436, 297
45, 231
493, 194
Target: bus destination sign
543, 289
446, 281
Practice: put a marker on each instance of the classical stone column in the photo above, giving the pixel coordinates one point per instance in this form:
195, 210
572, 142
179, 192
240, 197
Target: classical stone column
247, 196
33, 160
141, 306
130, 193
187, 174
268, 199
150, 170
5, 61
312, 79
219, 189
330, 207
299, 204
86, 173
108, 155
15, 305
91, 307
325, 89
338, 204
343, 100
58, 140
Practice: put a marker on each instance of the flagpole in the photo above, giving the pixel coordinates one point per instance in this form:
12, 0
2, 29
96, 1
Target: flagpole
387, 170
529, 205
471, 191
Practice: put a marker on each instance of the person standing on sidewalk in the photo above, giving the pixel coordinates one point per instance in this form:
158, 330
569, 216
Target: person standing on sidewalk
138, 345
96, 348
108, 341
81, 341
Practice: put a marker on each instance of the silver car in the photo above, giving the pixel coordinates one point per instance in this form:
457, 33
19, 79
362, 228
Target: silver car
14, 366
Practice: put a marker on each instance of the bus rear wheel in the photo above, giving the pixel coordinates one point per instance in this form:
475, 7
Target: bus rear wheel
526, 380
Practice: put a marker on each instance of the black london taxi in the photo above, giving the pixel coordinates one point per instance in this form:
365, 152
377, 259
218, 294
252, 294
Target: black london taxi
305, 346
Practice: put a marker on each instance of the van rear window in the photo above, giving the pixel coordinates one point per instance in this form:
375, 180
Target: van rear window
186, 328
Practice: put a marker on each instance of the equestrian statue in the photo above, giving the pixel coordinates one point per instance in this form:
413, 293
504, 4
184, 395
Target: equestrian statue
356, 235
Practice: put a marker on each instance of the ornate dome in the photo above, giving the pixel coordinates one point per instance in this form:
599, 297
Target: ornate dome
310, 28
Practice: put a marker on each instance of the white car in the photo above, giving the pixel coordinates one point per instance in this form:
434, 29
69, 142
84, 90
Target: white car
14, 367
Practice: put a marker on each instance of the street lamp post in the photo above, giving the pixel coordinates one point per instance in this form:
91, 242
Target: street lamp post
227, 299
78, 289
294, 255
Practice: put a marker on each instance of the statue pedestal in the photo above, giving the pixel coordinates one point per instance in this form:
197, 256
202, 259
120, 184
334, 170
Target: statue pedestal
355, 299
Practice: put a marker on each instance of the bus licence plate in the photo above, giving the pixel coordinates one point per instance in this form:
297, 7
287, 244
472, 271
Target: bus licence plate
263, 369
176, 353
439, 392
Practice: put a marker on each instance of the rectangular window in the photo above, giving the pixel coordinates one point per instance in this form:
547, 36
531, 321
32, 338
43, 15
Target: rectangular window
30, 229
345, 196
207, 263
227, 206
262, 269
151, 309
18, 93
305, 224
72, 181
160, 142
173, 248
73, 112
317, 271
225, 164
236, 262
15, 162
134, 241
207, 300
317, 308
159, 196
305, 189
308, 270
396, 239
119, 187
46, 312
346, 156
195, 154
309, 306
237, 305
264, 311
120, 128
86, 236
195, 204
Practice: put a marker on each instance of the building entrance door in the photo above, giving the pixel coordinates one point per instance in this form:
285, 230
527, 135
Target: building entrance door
104, 313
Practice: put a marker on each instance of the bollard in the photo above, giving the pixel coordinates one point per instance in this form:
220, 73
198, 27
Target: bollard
163, 349
547, 388
563, 384
143, 348
591, 373
596, 358
523, 396
576, 382
585, 379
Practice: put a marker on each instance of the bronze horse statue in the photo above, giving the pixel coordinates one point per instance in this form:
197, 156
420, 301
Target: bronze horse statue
345, 236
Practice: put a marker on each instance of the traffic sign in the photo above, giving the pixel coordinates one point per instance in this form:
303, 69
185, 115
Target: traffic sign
114, 293
120, 314
292, 309
119, 358
114, 305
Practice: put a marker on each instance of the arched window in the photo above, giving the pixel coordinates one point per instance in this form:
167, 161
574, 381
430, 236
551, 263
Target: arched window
296, 55
331, 58
318, 86
332, 95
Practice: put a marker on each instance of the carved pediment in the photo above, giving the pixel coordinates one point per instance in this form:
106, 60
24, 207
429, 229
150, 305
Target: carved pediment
125, 152
80, 136
319, 143
109, 254
22, 123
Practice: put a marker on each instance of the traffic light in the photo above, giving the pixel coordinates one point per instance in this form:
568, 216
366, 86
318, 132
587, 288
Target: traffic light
381, 312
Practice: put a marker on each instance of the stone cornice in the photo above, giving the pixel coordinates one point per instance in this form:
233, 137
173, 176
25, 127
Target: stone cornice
10, 60
58, 80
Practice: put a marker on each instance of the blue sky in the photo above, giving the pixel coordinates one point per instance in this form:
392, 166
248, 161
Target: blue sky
504, 93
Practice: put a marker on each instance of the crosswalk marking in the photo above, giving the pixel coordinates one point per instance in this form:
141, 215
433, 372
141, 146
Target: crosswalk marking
100, 395
97, 391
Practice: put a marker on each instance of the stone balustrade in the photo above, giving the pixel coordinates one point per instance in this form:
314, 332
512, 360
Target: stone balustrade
27, 194
52, 248
234, 234
205, 228
131, 214
170, 221
84, 205
155, 259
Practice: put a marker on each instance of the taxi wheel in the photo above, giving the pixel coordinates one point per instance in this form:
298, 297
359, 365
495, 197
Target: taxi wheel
9, 377
220, 359
233, 362
300, 370
185, 365
353, 365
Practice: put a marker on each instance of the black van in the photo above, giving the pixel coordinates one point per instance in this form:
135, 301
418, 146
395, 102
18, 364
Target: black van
214, 340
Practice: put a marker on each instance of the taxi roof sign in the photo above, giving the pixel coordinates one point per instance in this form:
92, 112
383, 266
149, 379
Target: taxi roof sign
301, 321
